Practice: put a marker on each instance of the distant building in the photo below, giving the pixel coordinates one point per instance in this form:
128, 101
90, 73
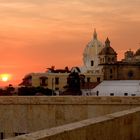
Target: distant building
56, 79
52, 79
117, 88
90, 56
127, 69
100, 63
91, 69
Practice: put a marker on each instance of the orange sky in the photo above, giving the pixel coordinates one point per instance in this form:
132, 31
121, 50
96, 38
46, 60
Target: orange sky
36, 34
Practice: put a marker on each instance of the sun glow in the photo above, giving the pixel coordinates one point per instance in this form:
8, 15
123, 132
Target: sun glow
5, 77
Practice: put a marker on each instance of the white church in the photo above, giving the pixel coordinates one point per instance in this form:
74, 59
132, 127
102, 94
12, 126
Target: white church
106, 87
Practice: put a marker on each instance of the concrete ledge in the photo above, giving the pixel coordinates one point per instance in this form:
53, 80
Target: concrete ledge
124, 125
66, 100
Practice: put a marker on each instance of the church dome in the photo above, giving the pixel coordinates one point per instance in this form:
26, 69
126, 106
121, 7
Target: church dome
94, 42
91, 51
92, 45
107, 50
137, 52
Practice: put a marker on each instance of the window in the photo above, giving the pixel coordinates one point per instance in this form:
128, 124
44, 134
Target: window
92, 62
133, 94
97, 93
111, 94
98, 79
43, 81
88, 79
56, 80
125, 94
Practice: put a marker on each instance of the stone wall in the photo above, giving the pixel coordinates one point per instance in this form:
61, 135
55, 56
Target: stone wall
28, 114
123, 125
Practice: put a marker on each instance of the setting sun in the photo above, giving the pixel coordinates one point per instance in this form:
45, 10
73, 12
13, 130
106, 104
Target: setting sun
5, 77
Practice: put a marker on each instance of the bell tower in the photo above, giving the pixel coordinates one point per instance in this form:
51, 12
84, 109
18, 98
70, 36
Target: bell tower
108, 59
107, 54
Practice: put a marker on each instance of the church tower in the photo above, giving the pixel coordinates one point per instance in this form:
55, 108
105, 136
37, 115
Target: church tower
90, 55
107, 54
108, 59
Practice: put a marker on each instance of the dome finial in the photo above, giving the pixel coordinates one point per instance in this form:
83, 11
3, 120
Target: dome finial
95, 34
107, 42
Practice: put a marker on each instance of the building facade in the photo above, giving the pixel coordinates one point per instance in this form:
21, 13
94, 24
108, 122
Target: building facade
56, 79
52, 79
126, 69
117, 88
100, 63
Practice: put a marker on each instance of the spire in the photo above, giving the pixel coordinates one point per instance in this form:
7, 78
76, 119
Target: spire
95, 34
107, 42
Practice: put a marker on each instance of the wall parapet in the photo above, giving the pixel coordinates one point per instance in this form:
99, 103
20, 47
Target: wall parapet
124, 125
66, 100
26, 114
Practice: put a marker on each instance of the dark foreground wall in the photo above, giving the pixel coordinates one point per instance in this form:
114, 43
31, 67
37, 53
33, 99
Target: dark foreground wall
123, 125
20, 115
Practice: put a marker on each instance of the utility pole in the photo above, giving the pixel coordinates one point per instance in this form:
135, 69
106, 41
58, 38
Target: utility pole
52, 85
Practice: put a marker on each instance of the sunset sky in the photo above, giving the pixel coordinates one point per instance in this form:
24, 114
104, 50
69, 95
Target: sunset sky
36, 34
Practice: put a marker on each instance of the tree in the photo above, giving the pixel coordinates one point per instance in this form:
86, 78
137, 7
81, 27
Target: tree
74, 82
31, 91
10, 90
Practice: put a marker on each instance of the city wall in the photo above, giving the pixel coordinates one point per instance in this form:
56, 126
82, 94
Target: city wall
124, 125
28, 114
